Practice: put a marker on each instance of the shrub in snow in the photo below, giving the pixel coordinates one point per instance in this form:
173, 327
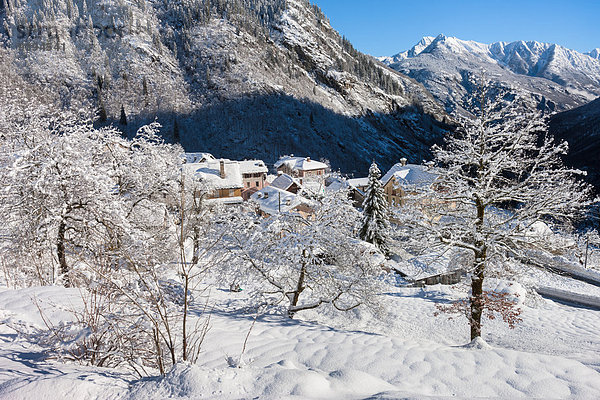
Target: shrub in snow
119, 217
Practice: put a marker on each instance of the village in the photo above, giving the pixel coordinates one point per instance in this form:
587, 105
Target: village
293, 180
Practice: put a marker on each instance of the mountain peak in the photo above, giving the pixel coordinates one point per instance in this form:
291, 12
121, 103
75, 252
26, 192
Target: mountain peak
594, 53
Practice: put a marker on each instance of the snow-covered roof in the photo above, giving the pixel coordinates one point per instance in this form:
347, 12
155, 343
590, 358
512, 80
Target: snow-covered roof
272, 200
226, 200
253, 167
358, 182
211, 171
335, 184
410, 175
300, 163
192, 158
284, 182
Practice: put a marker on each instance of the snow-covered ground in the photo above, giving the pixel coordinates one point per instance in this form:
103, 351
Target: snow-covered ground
406, 352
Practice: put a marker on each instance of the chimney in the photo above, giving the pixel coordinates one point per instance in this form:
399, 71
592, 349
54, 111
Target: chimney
307, 159
222, 164
266, 195
403, 161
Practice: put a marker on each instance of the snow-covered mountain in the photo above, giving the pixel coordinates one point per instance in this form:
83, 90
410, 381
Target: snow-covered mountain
552, 77
242, 78
413, 52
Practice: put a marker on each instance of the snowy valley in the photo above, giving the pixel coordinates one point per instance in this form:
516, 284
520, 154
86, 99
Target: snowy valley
209, 199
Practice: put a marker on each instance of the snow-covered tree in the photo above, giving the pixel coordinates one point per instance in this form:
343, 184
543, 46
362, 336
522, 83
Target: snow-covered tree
60, 191
375, 222
500, 176
305, 263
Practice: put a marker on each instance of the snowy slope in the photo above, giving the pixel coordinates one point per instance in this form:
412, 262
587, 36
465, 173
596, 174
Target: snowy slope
553, 77
580, 127
405, 352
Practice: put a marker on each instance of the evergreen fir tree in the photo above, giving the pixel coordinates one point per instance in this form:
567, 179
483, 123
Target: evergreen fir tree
123, 119
102, 116
375, 217
176, 137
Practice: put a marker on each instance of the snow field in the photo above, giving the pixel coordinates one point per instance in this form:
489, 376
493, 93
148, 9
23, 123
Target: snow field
287, 359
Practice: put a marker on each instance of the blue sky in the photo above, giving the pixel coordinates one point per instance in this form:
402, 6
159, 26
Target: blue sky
386, 27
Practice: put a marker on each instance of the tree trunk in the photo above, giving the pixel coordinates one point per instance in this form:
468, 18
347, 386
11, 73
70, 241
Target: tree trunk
61, 253
196, 248
185, 312
298, 291
477, 297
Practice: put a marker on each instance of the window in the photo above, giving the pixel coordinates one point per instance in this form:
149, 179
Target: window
257, 183
247, 184
231, 192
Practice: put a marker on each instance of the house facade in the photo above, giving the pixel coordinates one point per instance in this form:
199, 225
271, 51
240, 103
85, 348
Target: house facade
254, 177
254, 174
403, 179
302, 168
222, 175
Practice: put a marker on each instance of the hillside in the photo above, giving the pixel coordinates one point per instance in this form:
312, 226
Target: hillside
581, 128
548, 76
243, 78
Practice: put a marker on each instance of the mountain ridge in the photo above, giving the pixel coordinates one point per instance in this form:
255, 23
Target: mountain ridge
553, 77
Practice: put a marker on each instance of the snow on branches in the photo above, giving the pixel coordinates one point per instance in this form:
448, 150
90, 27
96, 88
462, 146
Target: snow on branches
305, 263
375, 214
500, 177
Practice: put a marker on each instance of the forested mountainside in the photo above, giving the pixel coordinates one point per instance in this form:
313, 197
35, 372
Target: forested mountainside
549, 77
239, 78
581, 128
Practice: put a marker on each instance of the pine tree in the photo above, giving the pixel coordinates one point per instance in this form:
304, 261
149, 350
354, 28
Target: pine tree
375, 217
123, 119
176, 137
102, 116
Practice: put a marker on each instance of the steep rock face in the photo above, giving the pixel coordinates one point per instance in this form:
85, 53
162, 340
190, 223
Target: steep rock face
548, 76
242, 78
580, 127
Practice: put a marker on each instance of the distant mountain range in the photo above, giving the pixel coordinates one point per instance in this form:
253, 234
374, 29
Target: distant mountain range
549, 76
